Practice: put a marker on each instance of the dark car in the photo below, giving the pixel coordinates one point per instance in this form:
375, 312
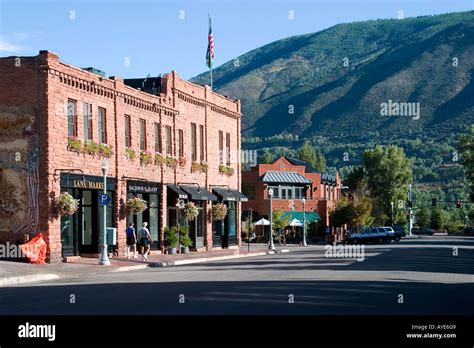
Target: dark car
423, 230
468, 231
399, 230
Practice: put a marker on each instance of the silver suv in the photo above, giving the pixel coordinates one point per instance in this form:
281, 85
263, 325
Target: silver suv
370, 235
391, 234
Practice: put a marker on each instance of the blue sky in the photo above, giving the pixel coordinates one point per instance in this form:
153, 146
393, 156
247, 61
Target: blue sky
152, 37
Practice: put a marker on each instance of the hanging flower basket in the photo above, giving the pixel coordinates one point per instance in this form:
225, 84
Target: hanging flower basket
219, 211
189, 210
66, 204
136, 205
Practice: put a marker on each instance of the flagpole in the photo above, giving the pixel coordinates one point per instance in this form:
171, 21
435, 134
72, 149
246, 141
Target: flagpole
211, 76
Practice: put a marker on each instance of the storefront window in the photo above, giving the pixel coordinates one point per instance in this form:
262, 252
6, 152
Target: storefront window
231, 223
154, 218
67, 228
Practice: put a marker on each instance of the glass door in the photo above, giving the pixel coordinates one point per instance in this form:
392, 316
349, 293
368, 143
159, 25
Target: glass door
89, 229
231, 224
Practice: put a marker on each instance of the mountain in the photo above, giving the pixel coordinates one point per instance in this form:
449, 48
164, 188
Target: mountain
335, 82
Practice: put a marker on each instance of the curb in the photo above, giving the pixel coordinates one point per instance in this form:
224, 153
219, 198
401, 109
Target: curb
129, 268
27, 279
218, 258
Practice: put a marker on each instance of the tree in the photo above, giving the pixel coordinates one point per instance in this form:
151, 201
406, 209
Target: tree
388, 172
266, 158
315, 158
356, 179
437, 219
423, 217
354, 212
279, 219
320, 164
466, 148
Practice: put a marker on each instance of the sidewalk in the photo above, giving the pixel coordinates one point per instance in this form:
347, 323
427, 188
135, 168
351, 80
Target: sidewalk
16, 273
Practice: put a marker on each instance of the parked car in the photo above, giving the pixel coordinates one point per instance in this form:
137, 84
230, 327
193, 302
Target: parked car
399, 230
468, 231
368, 235
423, 230
392, 235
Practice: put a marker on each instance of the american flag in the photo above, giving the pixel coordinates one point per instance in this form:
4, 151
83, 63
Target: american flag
210, 47
30, 225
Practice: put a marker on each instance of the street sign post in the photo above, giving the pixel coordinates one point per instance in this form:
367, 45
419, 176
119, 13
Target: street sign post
104, 199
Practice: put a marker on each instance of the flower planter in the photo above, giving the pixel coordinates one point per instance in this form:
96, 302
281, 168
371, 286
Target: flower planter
159, 159
136, 205
130, 153
74, 144
184, 250
219, 211
146, 158
66, 204
172, 251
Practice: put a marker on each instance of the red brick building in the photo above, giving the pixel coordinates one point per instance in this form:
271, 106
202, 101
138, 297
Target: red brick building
164, 138
291, 180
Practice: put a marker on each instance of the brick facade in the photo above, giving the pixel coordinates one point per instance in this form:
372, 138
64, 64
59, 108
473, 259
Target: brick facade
45, 84
321, 196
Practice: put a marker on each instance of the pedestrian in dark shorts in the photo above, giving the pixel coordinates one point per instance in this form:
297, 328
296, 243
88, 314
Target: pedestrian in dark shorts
131, 241
145, 240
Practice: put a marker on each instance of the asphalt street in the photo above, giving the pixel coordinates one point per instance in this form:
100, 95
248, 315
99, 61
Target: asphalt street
431, 275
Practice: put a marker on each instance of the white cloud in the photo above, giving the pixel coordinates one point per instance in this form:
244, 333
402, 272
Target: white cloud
8, 47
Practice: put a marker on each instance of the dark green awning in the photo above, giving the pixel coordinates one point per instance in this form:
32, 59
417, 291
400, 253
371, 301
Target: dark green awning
310, 216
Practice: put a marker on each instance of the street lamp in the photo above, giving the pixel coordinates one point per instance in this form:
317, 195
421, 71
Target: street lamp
104, 257
391, 213
304, 221
270, 196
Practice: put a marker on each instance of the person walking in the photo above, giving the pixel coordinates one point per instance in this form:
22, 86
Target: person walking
131, 241
145, 241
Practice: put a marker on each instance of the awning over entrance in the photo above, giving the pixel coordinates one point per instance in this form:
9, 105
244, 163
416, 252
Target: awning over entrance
198, 194
177, 191
229, 194
310, 216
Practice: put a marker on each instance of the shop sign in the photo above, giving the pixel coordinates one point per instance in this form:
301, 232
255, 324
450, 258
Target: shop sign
142, 187
91, 185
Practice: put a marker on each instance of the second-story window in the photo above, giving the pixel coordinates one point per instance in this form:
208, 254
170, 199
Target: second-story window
227, 147
168, 141
128, 134
87, 113
157, 138
221, 147
102, 126
142, 135
71, 118
193, 142
202, 139
180, 143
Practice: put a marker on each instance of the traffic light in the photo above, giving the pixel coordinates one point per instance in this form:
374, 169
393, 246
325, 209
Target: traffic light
433, 202
458, 204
